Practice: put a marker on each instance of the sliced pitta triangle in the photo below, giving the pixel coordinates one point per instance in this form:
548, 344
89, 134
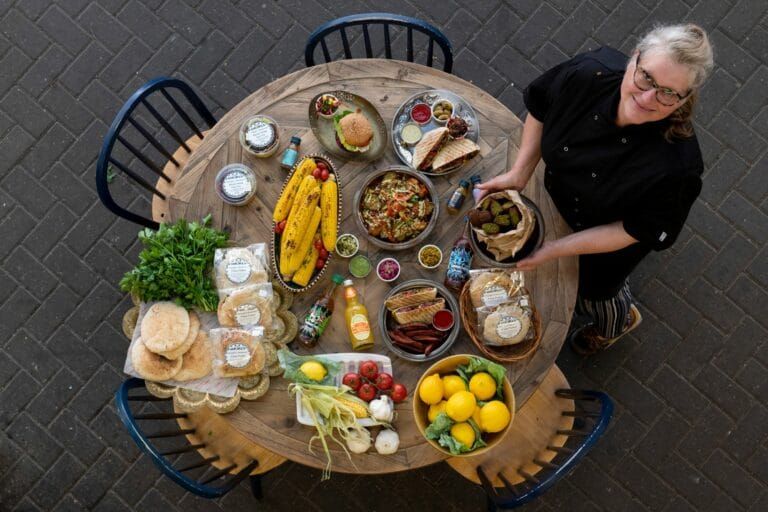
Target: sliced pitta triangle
432, 140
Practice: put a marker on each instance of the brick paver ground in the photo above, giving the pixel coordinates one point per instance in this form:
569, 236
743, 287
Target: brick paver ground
691, 432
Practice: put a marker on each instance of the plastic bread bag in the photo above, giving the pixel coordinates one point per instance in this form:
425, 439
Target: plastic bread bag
490, 287
252, 305
236, 267
509, 323
237, 352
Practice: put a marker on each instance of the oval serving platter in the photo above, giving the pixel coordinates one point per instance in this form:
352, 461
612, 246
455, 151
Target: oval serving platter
402, 116
325, 132
275, 240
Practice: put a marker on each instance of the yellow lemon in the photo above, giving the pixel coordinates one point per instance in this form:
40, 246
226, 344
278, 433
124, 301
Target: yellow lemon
494, 416
436, 409
482, 385
463, 433
476, 417
461, 406
313, 370
452, 384
431, 389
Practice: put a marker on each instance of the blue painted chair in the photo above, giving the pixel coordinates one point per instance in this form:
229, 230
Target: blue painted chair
549, 435
201, 437
147, 141
386, 20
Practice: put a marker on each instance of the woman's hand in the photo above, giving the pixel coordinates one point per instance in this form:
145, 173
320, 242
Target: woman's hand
548, 251
509, 180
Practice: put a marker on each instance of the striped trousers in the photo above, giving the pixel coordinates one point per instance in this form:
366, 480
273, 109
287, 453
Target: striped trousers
610, 316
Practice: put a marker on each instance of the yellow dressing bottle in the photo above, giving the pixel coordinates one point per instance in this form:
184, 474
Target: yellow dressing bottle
356, 314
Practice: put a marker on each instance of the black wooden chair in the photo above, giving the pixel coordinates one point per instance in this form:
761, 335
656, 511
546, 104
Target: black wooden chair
182, 444
385, 20
149, 141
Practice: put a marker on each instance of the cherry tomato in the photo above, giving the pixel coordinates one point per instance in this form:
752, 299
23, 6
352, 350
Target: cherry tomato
352, 380
280, 226
399, 393
324, 174
384, 381
369, 370
320, 263
316, 173
366, 392
323, 253
318, 244
321, 165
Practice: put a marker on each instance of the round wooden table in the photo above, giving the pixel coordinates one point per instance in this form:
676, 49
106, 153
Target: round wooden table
271, 421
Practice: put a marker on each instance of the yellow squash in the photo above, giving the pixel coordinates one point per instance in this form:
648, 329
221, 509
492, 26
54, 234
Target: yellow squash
329, 204
307, 268
284, 204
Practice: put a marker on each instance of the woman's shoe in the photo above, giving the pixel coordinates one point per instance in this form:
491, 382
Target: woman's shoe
587, 341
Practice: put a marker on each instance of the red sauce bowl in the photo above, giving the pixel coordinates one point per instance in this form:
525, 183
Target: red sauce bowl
421, 113
443, 320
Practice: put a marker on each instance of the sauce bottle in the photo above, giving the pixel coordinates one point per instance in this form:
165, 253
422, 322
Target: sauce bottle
458, 196
358, 325
475, 179
291, 154
460, 262
319, 315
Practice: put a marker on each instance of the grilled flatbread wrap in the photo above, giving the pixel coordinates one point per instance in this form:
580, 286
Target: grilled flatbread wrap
428, 148
419, 313
411, 297
454, 154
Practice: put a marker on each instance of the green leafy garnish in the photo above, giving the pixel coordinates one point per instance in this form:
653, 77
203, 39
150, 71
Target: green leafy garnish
175, 264
440, 430
441, 425
478, 364
291, 363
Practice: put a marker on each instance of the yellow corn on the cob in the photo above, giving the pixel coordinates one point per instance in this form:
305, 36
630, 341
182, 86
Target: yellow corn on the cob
307, 184
307, 268
298, 222
360, 409
284, 204
330, 206
298, 256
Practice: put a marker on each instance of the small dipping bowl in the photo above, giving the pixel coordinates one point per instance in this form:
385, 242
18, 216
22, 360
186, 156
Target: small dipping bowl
359, 266
347, 245
388, 269
429, 248
421, 113
330, 98
410, 133
443, 320
445, 104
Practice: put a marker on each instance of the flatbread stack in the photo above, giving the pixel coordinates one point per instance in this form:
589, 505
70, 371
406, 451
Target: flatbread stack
171, 345
506, 244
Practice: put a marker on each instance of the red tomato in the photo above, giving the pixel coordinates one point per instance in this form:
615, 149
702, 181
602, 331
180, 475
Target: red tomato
369, 370
399, 393
384, 381
318, 244
324, 174
321, 164
366, 392
323, 253
280, 226
316, 173
320, 263
352, 380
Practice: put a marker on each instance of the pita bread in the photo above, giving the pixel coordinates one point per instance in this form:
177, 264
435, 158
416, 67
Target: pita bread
237, 353
152, 366
428, 147
197, 361
165, 327
453, 154
238, 266
246, 306
194, 328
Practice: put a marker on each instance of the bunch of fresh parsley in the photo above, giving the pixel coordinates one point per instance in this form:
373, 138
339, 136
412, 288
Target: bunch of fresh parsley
175, 264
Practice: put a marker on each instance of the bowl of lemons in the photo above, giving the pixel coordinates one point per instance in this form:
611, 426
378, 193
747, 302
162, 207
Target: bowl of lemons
464, 405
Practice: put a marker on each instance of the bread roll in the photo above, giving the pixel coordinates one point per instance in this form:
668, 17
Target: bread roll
197, 361
165, 327
152, 366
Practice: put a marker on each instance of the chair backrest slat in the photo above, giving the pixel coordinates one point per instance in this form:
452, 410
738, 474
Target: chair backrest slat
367, 40
183, 449
165, 124
188, 120
135, 177
160, 416
152, 140
144, 159
219, 473
170, 433
204, 462
385, 20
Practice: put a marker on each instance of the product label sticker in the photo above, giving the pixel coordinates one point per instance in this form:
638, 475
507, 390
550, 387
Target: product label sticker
494, 295
247, 314
509, 327
360, 327
237, 355
236, 184
238, 270
259, 134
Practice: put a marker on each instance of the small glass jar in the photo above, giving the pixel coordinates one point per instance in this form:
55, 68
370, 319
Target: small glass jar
236, 184
260, 136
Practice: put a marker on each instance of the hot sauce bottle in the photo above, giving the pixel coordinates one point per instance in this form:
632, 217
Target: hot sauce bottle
460, 262
319, 315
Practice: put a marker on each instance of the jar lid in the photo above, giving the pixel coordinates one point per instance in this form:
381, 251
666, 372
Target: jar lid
260, 133
296, 140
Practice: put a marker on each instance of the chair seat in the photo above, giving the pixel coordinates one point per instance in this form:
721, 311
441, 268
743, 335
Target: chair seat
224, 440
160, 206
534, 428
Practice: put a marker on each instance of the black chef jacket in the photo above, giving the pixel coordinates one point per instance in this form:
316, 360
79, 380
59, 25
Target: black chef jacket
598, 173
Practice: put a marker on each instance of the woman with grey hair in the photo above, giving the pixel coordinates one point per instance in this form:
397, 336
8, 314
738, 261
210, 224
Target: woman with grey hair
623, 165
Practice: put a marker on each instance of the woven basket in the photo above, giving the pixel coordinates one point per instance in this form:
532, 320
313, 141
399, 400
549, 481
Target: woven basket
507, 354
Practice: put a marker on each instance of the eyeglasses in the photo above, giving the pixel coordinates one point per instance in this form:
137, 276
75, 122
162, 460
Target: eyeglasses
664, 95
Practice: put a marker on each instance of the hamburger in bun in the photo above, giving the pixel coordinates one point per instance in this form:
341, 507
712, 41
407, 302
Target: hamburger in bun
454, 154
353, 131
